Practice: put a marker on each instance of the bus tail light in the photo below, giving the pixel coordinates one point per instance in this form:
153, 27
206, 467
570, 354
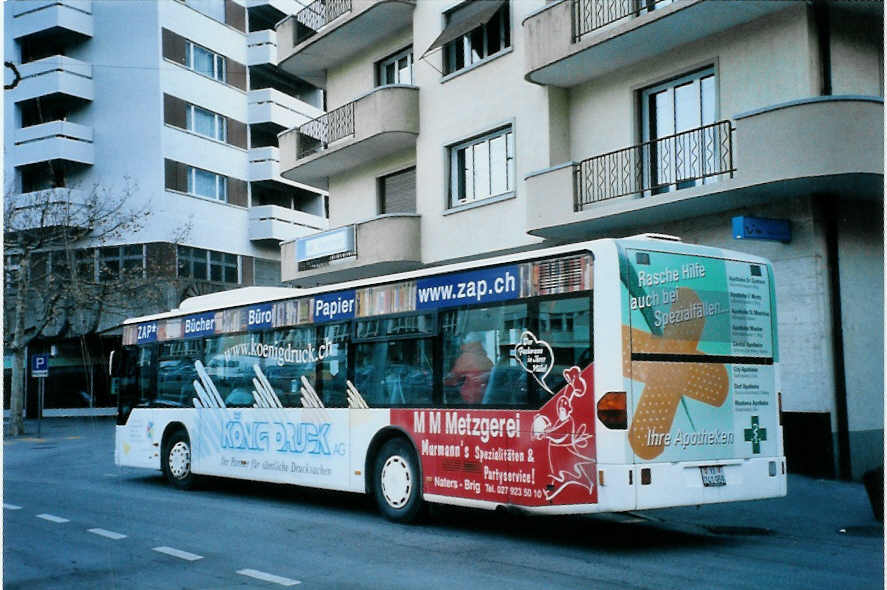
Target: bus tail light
779, 400
611, 410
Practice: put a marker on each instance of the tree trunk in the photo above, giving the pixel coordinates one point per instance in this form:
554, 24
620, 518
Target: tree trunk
19, 344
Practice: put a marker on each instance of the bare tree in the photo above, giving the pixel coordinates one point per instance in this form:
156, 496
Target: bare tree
59, 276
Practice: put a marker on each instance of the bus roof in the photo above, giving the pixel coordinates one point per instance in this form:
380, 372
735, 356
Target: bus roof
253, 295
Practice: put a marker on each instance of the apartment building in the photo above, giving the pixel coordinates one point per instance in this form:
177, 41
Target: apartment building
457, 129
178, 103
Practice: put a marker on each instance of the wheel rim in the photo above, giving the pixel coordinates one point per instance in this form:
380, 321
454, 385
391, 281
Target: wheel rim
397, 481
180, 460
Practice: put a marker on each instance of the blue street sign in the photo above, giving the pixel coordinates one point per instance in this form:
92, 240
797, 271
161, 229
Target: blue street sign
40, 365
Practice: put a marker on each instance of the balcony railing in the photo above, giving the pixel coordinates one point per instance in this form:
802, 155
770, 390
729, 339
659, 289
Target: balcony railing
316, 135
675, 161
590, 15
316, 16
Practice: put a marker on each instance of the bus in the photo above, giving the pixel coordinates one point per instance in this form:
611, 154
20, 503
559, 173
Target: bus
611, 375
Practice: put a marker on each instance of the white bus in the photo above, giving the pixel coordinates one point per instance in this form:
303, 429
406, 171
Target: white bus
612, 375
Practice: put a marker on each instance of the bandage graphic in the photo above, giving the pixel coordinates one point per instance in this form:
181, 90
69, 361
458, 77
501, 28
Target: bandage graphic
665, 383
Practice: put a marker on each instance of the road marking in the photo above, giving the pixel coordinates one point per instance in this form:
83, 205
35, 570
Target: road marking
11, 506
268, 577
52, 518
108, 534
178, 553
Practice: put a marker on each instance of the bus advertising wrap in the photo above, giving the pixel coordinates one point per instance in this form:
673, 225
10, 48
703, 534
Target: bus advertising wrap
527, 458
699, 336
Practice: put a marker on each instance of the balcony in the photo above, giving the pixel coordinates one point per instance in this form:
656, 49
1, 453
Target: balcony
573, 41
56, 18
278, 110
54, 75
281, 6
380, 123
272, 222
58, 140
385, 244
329, 32
818, 145
261, 48
55, 207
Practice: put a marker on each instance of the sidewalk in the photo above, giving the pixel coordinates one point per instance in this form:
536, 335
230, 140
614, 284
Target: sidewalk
62, 427
813, 509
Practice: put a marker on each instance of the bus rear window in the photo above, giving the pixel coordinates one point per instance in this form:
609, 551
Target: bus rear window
678, 304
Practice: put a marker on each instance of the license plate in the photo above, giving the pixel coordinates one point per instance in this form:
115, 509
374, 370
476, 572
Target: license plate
713, 476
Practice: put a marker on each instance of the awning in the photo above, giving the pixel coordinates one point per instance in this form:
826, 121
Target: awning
463, 20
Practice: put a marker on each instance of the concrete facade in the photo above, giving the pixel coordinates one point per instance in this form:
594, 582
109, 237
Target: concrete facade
800, 88
97, 107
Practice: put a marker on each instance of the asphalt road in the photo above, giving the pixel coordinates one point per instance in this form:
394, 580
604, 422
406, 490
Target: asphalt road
67, 508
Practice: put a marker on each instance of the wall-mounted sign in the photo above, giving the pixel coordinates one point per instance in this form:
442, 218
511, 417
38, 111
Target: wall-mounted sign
328, 243
760, 228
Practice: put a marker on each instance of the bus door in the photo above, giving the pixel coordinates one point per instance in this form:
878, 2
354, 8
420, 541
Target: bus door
698, 333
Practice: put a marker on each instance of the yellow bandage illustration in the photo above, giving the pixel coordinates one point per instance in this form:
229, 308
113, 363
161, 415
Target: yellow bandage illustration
666, 382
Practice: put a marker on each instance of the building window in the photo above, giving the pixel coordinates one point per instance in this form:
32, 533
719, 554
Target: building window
204, 61
206, 122
120, 262
482, 167
223, 267
197, 263
397, 192
670, 111
475, 31
396, 69
207, 184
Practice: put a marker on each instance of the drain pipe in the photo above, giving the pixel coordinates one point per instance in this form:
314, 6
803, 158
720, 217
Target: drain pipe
822, 20
831, 211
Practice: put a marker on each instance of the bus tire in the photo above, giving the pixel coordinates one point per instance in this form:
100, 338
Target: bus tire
396, 482
176, 460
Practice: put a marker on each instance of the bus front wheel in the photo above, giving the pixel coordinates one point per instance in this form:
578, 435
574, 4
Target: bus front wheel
176, 460
396, 483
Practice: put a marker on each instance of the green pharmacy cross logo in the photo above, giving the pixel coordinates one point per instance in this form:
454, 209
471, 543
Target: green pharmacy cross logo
755, 435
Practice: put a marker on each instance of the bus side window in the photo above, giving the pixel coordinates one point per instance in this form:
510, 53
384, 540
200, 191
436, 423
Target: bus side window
285, 372
333, 347
478, 367
565, 324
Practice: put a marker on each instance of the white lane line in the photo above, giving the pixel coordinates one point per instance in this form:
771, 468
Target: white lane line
52, 518
268, 577
178, 553
105, 533
11, 506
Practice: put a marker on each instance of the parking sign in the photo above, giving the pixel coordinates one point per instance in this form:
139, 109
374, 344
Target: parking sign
40, 365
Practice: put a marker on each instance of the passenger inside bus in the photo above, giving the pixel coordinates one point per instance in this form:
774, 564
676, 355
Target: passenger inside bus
471, 371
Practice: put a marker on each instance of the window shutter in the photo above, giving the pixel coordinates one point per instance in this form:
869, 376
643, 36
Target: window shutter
398, 192
176, 176
237, 133
173, 47
236, 74
237, 194
235, 15
246, 270
174, 111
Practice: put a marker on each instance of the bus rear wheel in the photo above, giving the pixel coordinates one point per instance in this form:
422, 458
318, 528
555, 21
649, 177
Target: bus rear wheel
176, 460
396, 482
